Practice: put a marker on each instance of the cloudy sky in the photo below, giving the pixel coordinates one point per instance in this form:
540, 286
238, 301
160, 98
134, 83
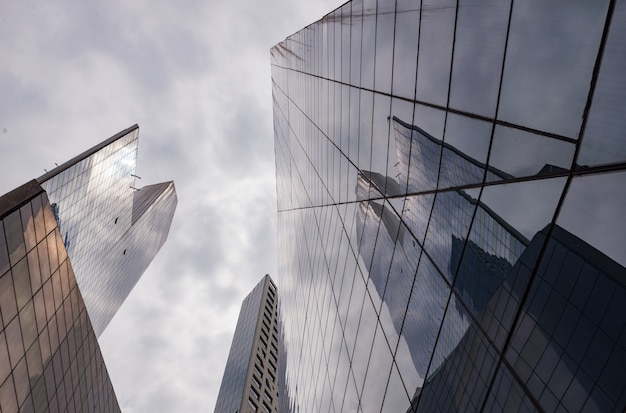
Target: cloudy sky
195, 76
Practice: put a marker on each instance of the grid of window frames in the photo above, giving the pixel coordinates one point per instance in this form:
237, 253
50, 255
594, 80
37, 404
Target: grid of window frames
450, 185
50, 360
111, 230
263, 379
251, 379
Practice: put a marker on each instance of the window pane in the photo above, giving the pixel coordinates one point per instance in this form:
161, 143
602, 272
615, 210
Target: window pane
550, 57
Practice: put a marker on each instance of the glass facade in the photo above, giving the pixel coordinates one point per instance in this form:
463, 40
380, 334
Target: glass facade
450, 184
111, 230
251, 377
50, 360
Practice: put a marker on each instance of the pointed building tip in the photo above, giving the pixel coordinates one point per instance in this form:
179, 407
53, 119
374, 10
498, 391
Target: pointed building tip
158, 185
148, 195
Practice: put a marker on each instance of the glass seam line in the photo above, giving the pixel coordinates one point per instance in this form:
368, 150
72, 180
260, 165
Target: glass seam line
442, 108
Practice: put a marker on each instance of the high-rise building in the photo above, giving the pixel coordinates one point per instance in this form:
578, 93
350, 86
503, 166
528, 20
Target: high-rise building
81, 231
450, 181
111, 229
50, 360
251, 377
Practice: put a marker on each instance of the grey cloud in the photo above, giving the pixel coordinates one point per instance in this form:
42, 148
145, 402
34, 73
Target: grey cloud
243, 148
155, 56
18, 98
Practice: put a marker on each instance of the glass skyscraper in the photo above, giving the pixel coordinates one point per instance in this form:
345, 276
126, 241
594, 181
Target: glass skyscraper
111, 229
450, 182
251, 377
50, 360
80, 232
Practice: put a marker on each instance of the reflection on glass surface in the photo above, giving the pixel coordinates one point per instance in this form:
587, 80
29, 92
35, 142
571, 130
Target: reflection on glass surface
377, 374
465, 232
550, 57
435, 51
368, 43
478, 64
385, 14
44, 327
603, 140
356, 29
427, 163
520, 153
467, 136
594, 211
561, 342
111, 230
405, 48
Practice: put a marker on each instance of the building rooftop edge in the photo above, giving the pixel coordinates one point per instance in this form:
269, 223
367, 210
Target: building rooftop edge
85, 154
14, 199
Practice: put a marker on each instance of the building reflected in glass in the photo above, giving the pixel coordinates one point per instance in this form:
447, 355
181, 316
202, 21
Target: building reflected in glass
252, 373
450, 183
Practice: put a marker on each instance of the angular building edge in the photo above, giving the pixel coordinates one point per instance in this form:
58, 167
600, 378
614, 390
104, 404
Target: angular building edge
49, 355
111, 231
85, 154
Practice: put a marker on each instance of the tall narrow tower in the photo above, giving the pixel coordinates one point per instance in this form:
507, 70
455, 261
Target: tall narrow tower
250, 381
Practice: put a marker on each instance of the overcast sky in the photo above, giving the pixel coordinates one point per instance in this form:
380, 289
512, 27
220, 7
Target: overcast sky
195, 76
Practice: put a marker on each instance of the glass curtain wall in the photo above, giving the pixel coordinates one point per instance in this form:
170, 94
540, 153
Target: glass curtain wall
50, 360
111, 229
450, 185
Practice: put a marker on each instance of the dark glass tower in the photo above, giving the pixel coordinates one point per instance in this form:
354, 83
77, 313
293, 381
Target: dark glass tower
251, 377
450, 183
111, 229
50, 360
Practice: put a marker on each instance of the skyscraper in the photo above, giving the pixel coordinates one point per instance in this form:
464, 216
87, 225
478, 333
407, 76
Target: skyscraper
91, 234
50, 360
251, 377
449, 181
111, 229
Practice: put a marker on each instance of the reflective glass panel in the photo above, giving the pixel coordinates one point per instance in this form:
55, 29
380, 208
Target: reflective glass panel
478, 54
516, 153
435, 51
405, 48
549, 61
603, 138
593, 211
